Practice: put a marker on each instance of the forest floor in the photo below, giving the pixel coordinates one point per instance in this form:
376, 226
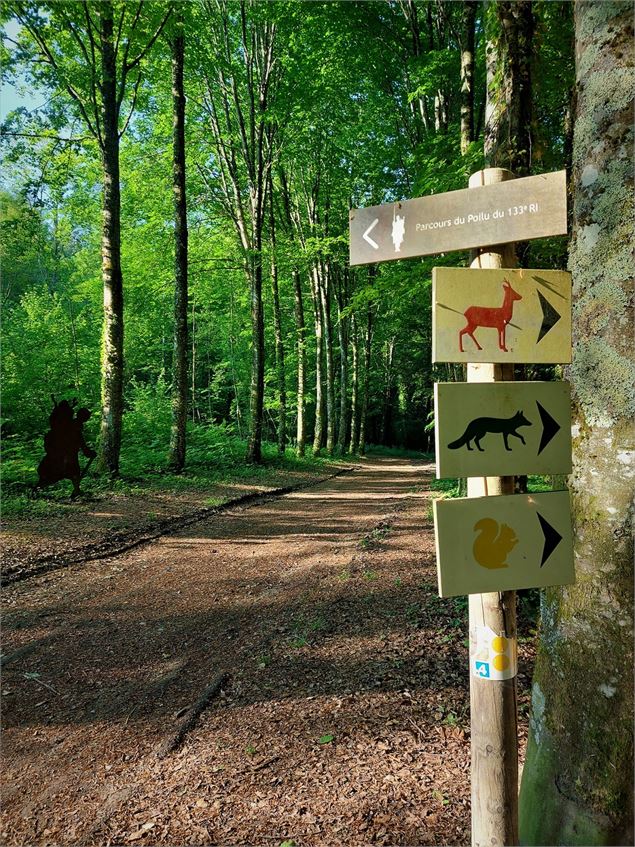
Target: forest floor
344, 715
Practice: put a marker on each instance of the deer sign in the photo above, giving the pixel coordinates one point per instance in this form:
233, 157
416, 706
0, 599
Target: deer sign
490, 316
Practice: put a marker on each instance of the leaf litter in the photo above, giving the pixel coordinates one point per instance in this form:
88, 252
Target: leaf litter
345, 720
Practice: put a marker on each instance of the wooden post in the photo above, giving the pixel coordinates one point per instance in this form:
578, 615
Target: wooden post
493, 703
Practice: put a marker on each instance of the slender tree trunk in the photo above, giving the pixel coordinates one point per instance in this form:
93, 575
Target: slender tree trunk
277, 328
257, 388
179, 364
366, 390
325, 299
388, 393
577, 785
300, 329
354, 442
112, 343
467, 74
318, 432
342, 331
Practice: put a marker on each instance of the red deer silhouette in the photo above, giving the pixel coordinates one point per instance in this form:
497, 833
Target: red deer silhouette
490, 316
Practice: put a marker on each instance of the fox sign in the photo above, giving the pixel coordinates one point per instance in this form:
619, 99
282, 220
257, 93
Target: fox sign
502, 428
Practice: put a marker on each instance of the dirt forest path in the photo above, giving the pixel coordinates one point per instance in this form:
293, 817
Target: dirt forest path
345, 715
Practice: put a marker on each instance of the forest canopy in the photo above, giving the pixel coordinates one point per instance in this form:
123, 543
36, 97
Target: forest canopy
292, 114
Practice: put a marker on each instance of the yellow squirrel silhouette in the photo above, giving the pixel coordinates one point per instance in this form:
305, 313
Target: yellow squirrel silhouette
493, 543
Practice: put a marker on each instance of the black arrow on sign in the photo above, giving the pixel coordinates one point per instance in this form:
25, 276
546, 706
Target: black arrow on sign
552, 538
549, 316
549, 427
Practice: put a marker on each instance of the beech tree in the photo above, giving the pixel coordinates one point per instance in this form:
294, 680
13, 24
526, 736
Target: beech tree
577, 785
179, 363
95, 53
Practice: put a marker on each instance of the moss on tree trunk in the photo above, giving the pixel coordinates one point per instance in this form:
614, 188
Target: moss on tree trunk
577, 785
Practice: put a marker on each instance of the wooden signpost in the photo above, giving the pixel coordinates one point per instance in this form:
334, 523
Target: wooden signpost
509, 315
503, 543
518, 210
491, 316
488, 429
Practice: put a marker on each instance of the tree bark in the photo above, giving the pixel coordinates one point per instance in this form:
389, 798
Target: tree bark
577, 783
325, 300
366, 390
112, 340
354, 441
384, 435
277, 329
179, 364
467, 74
300, 328
257, 387
318, 431
342, 333
509, 108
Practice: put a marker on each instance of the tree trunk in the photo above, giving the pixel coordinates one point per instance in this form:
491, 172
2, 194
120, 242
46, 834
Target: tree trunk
325, 300
300, 329
388, 395
277, 329
508, 113
365, 394
112, 342
318, 431
467, 74
577, 784
179, 364
354, 442
342, 332
257, 387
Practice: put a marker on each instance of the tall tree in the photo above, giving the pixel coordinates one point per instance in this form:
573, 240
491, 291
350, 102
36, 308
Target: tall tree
179, 365
281, 380
95, 53
242, 77
577, 783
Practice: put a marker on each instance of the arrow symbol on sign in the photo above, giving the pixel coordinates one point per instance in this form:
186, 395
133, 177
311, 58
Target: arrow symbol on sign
552, 538
366, 235
549, 427
550, 316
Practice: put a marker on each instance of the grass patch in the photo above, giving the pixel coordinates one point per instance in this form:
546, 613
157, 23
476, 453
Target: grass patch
215, 457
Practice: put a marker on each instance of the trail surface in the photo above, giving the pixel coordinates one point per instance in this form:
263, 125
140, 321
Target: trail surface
344, 718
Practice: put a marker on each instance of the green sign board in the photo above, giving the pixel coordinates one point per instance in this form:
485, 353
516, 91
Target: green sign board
501, 315
502, 428
503, 543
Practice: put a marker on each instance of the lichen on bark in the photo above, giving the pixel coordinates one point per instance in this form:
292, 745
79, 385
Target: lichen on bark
577, 783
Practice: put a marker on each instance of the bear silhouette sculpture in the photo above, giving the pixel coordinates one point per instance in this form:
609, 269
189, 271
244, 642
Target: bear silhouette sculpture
62, 445
493, 543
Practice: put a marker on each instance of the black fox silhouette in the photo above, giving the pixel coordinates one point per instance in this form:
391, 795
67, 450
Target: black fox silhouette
479, 427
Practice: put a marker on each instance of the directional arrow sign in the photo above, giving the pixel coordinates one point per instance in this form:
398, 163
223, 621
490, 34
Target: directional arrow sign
503, 543
502, 428
516, 210
485, 315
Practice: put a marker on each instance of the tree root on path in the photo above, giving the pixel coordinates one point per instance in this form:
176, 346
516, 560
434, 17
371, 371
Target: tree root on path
174, 739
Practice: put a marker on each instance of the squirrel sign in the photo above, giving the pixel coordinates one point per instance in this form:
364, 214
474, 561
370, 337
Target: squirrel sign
493, 543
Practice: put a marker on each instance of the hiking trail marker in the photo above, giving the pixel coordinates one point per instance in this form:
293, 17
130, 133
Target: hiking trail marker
502, 428
501, 315
516, 210
503, 543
